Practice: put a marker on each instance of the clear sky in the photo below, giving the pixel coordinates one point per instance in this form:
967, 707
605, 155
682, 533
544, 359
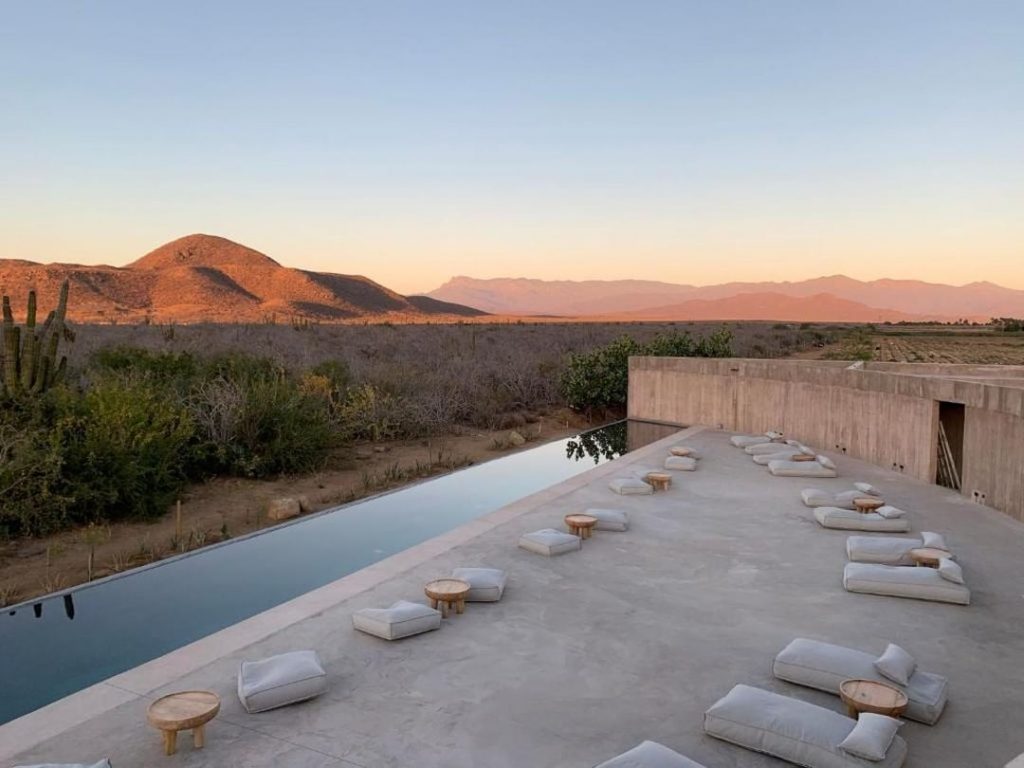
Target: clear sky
695, 142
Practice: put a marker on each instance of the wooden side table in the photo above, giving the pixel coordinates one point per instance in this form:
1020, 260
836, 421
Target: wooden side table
872, 696
447, 593
187, 710
804, 457
928, 556
680, 450
581, 525
660, 481
866, 504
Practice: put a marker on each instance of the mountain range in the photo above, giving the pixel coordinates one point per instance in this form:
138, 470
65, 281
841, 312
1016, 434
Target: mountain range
836, 298
207, 278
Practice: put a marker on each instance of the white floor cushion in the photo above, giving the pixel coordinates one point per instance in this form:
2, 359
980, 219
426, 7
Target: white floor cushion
681, 463
631, 486
548, 541
850, 520
402, 619
799, 469
609, 519
486, 585
280, 680
825, 666
793, 730
903, 581
650, 754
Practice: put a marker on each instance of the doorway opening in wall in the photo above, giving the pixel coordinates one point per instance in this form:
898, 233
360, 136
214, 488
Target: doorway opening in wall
949, 468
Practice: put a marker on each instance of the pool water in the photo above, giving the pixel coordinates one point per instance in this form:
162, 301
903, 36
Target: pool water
66, 642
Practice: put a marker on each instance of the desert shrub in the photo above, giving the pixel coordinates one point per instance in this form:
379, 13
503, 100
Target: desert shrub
165, 367
33, 498
599, 379
256, 422
125, 448
371, 413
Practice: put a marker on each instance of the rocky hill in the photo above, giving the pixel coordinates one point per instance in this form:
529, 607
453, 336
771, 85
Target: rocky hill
204, 278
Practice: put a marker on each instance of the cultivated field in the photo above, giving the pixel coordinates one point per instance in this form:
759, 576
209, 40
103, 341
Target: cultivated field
928, 344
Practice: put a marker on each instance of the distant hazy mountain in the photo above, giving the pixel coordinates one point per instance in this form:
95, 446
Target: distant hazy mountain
207, 278
900, 299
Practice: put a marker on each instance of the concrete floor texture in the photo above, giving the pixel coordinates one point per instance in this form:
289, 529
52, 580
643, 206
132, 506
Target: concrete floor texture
631, 638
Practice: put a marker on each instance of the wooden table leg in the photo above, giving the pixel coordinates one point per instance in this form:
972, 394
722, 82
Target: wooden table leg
433, 603
170, 742
444, 608
460, 606
586, 532
852, 712
199, 736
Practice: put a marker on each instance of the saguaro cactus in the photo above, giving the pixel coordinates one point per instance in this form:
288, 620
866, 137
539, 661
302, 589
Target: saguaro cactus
30, 357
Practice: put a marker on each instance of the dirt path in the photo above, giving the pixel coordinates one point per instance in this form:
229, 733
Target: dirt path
228, 507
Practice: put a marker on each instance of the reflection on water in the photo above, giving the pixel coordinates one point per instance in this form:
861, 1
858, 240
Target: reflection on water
608, 443
67, 642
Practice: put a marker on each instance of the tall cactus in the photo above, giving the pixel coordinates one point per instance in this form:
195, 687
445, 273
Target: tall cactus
30, 358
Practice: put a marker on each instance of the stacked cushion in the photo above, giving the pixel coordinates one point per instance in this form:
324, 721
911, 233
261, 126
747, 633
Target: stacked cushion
402, 619
548, 541
887, 550
486, 585
609, 519
650, 754
280, 680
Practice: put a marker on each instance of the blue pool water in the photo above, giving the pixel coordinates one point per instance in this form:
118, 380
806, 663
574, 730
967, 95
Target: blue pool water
61, 644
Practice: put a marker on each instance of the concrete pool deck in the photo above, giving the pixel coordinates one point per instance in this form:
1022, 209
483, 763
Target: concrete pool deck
589, 653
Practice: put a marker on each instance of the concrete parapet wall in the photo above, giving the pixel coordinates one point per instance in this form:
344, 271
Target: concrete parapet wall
883, 413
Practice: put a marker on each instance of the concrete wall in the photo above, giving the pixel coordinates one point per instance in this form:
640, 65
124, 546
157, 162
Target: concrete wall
885, 414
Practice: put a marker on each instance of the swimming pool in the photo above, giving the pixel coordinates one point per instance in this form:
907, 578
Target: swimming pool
61, 644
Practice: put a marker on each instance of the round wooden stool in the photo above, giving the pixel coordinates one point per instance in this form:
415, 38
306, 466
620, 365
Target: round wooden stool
872, 696
181, 712
660, 481
865, 504
680, 450
447, 593
928, 556
581, 525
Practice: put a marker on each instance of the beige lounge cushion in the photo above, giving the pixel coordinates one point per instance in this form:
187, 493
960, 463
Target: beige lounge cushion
278, 681
887, 550
486, 585
681, 463
934, 540
609, 519
848, 520
903, 581
650, 754
889, 512
549, 542
401, 619
630, 486
799, 469
742, 441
